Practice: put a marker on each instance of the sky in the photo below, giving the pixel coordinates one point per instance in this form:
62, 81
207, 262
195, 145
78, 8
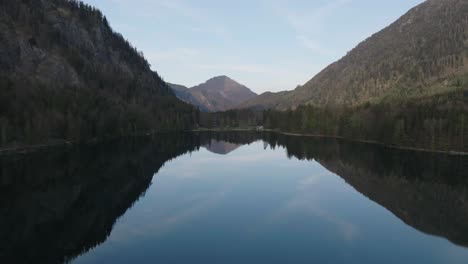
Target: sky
267, 45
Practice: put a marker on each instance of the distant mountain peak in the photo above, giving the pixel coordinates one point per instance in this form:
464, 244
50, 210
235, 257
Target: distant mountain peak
220, 77
219, 93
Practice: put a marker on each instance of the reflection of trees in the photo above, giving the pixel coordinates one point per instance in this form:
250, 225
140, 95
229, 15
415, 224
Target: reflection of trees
425, 190
244, 138
226, 142
58, 204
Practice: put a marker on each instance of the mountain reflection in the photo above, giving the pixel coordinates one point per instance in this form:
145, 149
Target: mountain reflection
427, 191
58, 204
221, 147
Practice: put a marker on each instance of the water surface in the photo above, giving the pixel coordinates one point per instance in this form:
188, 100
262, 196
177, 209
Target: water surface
233, 198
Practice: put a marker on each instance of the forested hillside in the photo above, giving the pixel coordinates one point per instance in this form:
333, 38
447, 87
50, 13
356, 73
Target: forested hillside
406, 85
65, 74
431, 123
423, 53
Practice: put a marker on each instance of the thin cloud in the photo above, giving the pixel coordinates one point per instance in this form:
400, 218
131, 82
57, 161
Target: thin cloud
307, 25
182, 9
212, 31
313, 45
313, 21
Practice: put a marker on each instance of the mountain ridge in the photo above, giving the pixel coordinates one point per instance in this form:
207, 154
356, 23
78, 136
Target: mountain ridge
184, 94
66, 75
422, 53
219, 93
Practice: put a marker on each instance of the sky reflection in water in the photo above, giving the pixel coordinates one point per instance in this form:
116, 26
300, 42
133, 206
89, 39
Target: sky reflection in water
255, 205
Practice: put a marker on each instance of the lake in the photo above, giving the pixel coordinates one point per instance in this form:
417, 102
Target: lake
233, 198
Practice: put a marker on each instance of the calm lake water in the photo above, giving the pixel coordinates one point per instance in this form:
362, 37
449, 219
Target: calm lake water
233, 198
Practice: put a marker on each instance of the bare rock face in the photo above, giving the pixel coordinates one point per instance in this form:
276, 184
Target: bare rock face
58, 51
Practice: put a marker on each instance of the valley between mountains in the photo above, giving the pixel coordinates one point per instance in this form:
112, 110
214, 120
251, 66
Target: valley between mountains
67, 76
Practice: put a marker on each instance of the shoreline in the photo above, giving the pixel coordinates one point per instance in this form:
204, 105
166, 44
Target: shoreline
18, 149
30, 148
374, 142
448, 152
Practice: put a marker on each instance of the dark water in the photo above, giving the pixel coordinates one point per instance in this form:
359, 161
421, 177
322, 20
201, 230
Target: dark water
233, 198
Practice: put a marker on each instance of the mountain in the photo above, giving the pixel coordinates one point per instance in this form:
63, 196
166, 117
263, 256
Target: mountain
185, 94
69, 183
217, 94
264, 101
423, 53
221, 147
66, 75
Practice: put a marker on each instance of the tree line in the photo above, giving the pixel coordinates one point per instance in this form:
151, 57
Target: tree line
436, 122
65, 74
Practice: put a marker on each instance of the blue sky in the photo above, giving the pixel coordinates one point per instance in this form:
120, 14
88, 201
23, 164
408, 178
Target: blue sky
268, 45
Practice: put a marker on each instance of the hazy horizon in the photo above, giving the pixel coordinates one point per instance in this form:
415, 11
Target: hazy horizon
265, 45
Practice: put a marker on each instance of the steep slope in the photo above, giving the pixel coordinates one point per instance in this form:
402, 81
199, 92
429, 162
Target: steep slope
65, 74
217, 94
185, 94
425, 52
